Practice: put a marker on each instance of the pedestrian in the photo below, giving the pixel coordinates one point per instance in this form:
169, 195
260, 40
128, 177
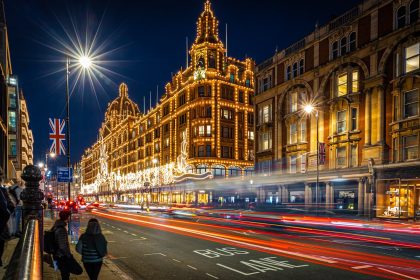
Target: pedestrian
92, 246
6, 209
15, 192
62, 254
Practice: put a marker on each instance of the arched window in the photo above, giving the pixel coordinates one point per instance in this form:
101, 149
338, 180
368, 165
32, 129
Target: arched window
234, 171
334, 50
295, 70
288, 73
202, 168
301, 66
352, 41
343, 46
219, 171
414, 11
212, 60
189, 169
401, 14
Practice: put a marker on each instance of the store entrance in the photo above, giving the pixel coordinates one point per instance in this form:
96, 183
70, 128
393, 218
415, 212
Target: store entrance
401, 201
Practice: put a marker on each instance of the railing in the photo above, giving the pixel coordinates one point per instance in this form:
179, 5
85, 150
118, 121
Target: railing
26, 262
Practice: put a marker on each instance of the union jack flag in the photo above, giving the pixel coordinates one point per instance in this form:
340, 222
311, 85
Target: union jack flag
57, 136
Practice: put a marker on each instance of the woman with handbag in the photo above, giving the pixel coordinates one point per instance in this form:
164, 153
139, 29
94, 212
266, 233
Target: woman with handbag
92, 246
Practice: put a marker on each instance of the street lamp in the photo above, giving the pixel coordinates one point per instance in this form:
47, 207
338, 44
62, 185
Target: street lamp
51, 155
85, 62
309, 108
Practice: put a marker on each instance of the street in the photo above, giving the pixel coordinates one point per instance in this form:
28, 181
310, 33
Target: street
161, 246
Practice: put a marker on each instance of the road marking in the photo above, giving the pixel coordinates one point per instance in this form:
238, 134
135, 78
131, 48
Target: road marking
192, 267
139, 239
175, 260
390, 271
361, 266
212, 276
109, 241
118, 228
133, 234
417, 256
155, 254
237, 271
112, 226
125, 231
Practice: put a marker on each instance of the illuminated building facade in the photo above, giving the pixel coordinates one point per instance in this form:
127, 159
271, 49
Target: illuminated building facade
201, 128
361, 72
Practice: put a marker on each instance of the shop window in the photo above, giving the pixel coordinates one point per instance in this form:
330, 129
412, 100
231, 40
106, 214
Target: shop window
293, 133
201, 169
341, 121
414, 11
352, 41
401, 17
412, 55
293, 164
234, 171
411, 147
341, 156
353, 119
293, 102
411, 103
219, 171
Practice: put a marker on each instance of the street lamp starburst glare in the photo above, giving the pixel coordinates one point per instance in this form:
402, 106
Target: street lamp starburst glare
85, 61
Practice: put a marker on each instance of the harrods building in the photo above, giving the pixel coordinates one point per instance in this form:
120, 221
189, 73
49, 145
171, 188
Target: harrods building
360, 72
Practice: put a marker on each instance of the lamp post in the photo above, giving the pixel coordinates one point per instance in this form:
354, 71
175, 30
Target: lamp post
52, 155
309, 108
85, 62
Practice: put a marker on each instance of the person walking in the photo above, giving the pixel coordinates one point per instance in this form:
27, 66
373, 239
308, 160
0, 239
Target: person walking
92, 246
15, 192
65, 260
6, 210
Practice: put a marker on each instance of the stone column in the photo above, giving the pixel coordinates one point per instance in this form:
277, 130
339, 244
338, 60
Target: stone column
32, 198
328, 195
261, 195
381, 115
285, 195
366, 197
360, 196
368, 116
308, 195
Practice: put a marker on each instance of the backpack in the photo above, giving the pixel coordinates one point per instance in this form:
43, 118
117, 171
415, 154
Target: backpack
49, 241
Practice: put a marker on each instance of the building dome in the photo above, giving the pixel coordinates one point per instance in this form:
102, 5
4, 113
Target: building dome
120, 108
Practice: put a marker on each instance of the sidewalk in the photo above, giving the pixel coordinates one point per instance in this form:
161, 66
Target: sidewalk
109, 269
9, 248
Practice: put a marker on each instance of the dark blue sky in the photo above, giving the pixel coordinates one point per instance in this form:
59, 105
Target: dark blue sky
148, 39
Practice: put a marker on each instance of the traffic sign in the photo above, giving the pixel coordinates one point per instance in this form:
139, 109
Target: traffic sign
64, 175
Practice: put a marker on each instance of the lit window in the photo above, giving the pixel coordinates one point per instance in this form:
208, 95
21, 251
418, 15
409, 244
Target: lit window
293, 102
411, 103
414, 11
265, 114
303, 130
293, 164
355, 81
412, 58
293, 133
353, 156
265, 141
12, 119
208, 130
411, 147
341, 156
232, 78
251, 135
342, 84
401, 17
341, 121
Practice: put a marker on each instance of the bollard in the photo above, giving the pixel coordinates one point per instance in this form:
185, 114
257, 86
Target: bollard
32, 198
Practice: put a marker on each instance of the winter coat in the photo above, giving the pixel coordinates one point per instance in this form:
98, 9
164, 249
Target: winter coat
62, 247
92, 247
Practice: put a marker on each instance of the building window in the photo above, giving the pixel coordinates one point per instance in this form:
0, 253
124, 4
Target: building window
250, 135
201, 169
232, 78
343, 46
226, 152
181, 100
411, 147
353, 119
234, 171
248, 83
301, 66
288, 73
341, 121
265, 141
12, 120
208, 150
219, 171
412, 56
411, 103
183, 119
293, 164
201, 91
266, 83
293, 102
341, 156
12, 147
354, 81
227, 132
293, 133
303, 130
295, 70
353, 161
201, 151
352, 41
265, 114
414, 11
401, 17
334, 50
395, 152
226, 114
241, 97
342, 84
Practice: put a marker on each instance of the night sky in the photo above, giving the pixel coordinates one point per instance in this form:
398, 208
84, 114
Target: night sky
145, 43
